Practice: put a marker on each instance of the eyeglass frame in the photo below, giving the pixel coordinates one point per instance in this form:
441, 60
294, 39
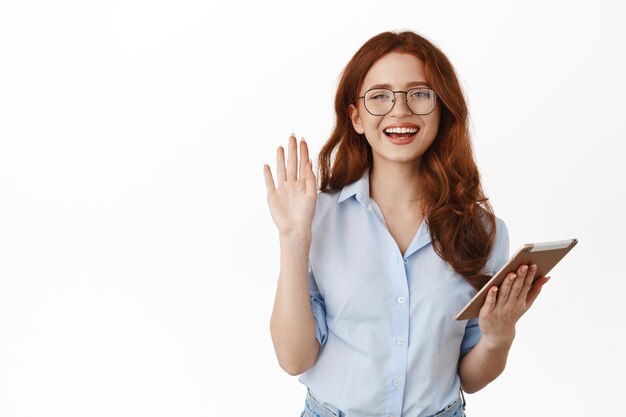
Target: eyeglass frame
406, 100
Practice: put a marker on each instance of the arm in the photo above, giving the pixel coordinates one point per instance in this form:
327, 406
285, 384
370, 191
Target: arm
292, 206
502, 309
292, 324
483, 364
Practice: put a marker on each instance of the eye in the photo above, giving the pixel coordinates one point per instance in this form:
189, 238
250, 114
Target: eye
419, 94
380, 95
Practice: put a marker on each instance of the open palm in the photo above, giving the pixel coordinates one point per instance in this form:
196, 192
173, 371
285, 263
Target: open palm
292, 200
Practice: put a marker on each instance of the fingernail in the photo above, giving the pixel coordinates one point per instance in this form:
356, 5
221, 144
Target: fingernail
525, 268
293, 134
513, 276
548, 278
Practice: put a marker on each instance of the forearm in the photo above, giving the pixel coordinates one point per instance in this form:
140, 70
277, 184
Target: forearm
484, 363
292, 325
502, 308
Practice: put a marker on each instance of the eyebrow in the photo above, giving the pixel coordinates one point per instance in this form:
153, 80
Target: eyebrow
411, 84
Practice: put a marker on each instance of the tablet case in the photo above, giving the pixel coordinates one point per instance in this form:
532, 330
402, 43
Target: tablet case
544, 254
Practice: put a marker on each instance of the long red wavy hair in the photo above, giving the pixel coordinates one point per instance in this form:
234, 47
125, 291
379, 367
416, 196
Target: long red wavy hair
460, 219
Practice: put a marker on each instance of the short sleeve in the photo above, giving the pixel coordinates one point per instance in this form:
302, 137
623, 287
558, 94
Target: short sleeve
319, 309
499, 256
471, 337
501, 248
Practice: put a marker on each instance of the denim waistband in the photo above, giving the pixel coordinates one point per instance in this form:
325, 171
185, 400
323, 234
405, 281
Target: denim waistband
320, 410
455, 409
452, 410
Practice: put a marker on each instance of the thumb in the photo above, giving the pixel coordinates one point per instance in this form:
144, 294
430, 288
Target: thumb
490, 302
311, 183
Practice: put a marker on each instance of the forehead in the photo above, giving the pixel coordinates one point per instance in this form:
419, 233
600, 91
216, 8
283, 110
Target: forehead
395, 69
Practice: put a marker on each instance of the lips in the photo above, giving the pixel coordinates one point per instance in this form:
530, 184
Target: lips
401, 133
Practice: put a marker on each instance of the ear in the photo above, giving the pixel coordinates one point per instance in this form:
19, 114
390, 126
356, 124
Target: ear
356, 119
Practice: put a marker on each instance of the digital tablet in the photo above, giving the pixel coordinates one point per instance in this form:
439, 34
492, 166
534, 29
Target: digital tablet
545, 255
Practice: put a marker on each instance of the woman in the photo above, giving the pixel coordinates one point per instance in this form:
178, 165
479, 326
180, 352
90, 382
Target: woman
375, 267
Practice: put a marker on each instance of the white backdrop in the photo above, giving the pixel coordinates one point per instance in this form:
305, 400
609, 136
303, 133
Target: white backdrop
138, 259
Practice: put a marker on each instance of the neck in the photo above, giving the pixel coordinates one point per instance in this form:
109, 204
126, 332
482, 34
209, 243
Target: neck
395, 184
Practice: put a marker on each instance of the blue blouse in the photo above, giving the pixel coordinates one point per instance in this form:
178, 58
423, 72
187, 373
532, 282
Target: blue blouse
390, 344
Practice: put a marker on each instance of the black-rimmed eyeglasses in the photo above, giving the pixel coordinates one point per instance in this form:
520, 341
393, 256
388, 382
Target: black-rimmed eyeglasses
380, 101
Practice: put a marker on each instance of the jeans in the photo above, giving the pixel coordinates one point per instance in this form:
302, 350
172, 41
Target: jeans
313, 408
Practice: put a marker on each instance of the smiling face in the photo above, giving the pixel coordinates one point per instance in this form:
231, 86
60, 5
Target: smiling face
399, 136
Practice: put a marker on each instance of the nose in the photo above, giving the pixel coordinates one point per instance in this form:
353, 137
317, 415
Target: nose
400, 106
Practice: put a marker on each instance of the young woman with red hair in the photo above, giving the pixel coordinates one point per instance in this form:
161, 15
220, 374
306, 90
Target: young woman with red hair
376, 265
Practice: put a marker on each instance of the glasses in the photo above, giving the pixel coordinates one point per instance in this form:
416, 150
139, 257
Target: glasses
380, 101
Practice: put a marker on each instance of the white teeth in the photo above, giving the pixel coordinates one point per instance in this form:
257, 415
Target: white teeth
401, 130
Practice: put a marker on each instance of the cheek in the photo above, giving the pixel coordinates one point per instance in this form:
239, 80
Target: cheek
369, 128
432, 124
432, 130
371, 125
371, 135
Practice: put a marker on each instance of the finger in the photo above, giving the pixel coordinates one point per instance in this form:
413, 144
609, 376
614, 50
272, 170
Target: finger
535, 291
281, 173
519, 282
292, 160
528, 281
490, 302
269, 180
505, 289
311, 183
304, 158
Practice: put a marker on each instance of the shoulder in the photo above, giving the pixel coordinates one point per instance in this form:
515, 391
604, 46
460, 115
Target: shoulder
501, 229
502, 233
500, 248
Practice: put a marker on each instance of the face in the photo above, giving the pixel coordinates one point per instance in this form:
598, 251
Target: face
396, 71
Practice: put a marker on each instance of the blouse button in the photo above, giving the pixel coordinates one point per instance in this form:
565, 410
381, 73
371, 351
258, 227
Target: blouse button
396, 382
401, 300
400, 341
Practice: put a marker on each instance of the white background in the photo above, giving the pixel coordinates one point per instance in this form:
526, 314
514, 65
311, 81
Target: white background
138, 259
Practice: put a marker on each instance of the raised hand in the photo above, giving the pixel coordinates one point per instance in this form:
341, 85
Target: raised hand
505, 305
292, 200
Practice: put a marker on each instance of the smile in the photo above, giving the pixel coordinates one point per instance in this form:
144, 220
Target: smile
401, 135
401, 130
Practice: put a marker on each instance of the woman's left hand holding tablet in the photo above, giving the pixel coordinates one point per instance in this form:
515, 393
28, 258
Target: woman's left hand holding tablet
505, 305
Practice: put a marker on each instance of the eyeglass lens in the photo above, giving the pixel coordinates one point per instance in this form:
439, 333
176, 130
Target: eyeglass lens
380, 101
